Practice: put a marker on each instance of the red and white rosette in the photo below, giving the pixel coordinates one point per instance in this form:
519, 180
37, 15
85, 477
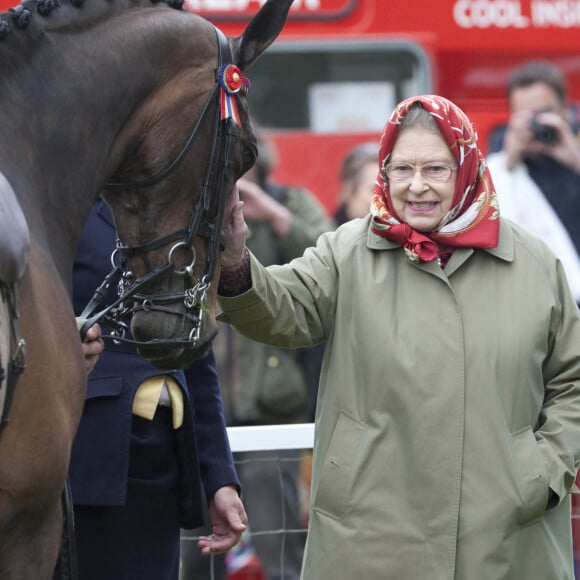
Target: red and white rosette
232, 81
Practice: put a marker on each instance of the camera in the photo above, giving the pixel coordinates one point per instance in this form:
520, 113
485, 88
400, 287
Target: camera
544, 133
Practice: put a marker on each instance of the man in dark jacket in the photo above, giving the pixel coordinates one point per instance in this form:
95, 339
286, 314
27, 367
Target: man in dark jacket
141, 471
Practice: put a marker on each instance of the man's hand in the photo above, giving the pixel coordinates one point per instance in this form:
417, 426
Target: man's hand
566, 149
519, 140
260, 206
92, 347
228, 518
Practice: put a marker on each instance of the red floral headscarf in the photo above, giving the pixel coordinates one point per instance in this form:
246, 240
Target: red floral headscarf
473, 218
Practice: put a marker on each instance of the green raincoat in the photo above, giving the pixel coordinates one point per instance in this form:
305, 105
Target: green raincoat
449, 405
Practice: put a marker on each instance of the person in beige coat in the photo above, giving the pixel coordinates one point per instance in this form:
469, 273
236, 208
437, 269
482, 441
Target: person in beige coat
448, 419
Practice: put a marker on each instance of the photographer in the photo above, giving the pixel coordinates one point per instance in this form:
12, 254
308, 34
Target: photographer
535, 162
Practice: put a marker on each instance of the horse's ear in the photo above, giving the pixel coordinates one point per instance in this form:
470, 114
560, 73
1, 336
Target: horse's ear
261, 31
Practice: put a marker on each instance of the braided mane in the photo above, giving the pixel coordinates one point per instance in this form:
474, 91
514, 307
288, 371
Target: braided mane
20, 16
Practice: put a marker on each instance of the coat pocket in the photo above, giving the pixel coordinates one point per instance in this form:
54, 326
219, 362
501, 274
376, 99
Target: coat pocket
532, 477
336, 480
104, 387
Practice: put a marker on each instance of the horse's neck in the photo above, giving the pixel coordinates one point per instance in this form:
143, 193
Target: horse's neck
66, 106
71, 96
55, 223
56, 138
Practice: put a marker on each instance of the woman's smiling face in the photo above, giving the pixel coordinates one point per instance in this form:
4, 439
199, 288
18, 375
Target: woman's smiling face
421, 203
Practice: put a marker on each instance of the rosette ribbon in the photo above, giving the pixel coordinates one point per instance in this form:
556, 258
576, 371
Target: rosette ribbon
231, 81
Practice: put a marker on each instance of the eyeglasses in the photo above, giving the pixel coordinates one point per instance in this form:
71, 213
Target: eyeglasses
434, 172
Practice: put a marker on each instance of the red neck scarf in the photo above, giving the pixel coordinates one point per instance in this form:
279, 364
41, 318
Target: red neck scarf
473, 218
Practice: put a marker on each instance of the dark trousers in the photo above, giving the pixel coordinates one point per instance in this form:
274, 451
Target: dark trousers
138, 541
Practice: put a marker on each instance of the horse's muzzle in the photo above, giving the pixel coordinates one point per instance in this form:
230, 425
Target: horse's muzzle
168, 343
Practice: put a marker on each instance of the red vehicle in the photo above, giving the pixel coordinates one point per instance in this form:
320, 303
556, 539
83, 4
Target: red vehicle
340, 66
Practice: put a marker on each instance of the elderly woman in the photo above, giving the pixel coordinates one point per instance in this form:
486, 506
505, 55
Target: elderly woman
448, 419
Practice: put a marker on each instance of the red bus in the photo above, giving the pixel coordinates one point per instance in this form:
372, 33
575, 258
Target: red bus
340, 66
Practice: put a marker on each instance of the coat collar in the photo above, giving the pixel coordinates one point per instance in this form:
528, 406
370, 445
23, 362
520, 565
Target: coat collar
504, 249
505, 245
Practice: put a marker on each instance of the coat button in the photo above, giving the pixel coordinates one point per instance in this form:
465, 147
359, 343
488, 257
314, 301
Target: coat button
273, 361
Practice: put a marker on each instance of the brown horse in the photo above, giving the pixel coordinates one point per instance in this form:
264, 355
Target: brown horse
145, 104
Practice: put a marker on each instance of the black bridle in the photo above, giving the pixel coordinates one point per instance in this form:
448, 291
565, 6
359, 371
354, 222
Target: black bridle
206, 221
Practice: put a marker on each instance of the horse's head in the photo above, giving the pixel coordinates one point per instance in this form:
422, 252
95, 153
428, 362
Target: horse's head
173, 166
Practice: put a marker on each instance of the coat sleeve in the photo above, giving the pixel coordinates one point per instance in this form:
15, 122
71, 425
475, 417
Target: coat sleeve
558, 434
215, 456
292, 305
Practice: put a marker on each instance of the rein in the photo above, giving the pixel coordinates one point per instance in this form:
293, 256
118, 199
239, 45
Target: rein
131, 297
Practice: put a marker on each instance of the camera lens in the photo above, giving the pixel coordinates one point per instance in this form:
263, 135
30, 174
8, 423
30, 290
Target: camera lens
544, 133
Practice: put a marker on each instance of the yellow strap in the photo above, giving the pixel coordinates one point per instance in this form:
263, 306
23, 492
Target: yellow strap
176, 401
147, 398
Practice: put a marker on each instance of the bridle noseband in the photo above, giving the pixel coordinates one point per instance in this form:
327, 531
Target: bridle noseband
206, 221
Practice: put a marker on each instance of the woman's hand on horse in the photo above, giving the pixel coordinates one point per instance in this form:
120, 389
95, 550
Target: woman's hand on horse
228, 518
234, 231
92, 347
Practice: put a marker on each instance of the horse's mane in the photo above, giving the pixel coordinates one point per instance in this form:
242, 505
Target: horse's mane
21, 16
